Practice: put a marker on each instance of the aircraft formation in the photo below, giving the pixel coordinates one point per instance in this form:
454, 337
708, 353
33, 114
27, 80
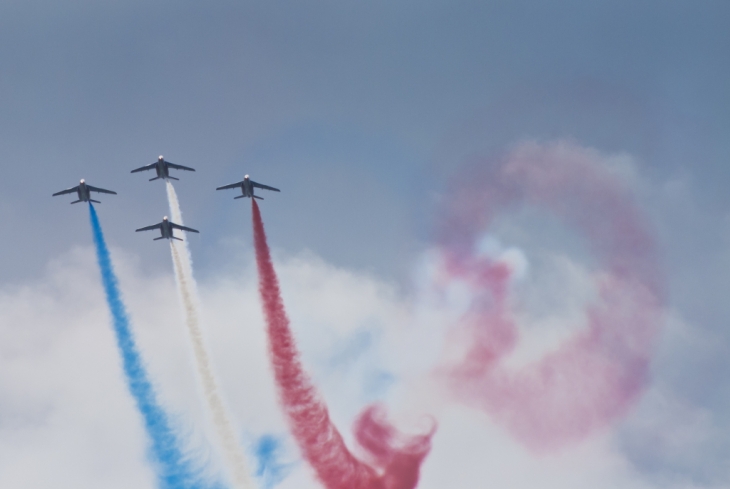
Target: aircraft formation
162, 167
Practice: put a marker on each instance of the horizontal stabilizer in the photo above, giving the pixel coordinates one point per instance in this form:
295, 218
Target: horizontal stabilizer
240, 196
257, 197
91, 200
161, 237
176, 238
156, 178
76, 201
173, 178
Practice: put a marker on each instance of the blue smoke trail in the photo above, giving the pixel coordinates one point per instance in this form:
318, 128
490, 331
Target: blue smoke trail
174, 471
270, 471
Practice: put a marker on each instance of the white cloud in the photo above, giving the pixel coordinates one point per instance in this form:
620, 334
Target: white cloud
66, 419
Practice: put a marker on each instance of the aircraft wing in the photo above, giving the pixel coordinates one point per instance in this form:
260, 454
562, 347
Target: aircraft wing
67, 191
184, 228
150, 228
143, 168
100, 190
266, 187
231, 185
179, 167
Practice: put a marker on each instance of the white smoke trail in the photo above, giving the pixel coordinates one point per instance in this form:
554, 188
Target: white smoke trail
188, 291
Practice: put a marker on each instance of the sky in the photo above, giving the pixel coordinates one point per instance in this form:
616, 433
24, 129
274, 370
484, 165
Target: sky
363, 114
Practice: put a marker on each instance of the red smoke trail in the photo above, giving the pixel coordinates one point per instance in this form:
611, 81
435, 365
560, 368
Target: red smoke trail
394, 459
595, 376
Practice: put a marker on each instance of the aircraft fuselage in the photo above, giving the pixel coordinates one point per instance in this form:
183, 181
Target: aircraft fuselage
165, 228
163, 171
83, 192
247, 187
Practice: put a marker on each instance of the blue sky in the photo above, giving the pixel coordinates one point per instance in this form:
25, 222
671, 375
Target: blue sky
380, 100
361, 112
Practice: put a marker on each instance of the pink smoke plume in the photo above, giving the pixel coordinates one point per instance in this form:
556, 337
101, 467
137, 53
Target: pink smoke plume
394, 460
594, 377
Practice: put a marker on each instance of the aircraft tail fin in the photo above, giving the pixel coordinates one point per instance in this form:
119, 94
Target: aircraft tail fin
156, 178
76, 201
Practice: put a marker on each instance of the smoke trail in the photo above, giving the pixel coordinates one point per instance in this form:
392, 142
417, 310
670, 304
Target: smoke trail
182, 262
395, 459
595, 376
270, 470
174, 471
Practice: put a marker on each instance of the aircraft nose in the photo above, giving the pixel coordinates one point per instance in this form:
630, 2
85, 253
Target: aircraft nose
82, 180
245, 177
160, 158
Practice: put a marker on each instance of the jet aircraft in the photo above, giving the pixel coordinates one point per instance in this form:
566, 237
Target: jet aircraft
84, 192
163, 168
166, 227
247, 185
